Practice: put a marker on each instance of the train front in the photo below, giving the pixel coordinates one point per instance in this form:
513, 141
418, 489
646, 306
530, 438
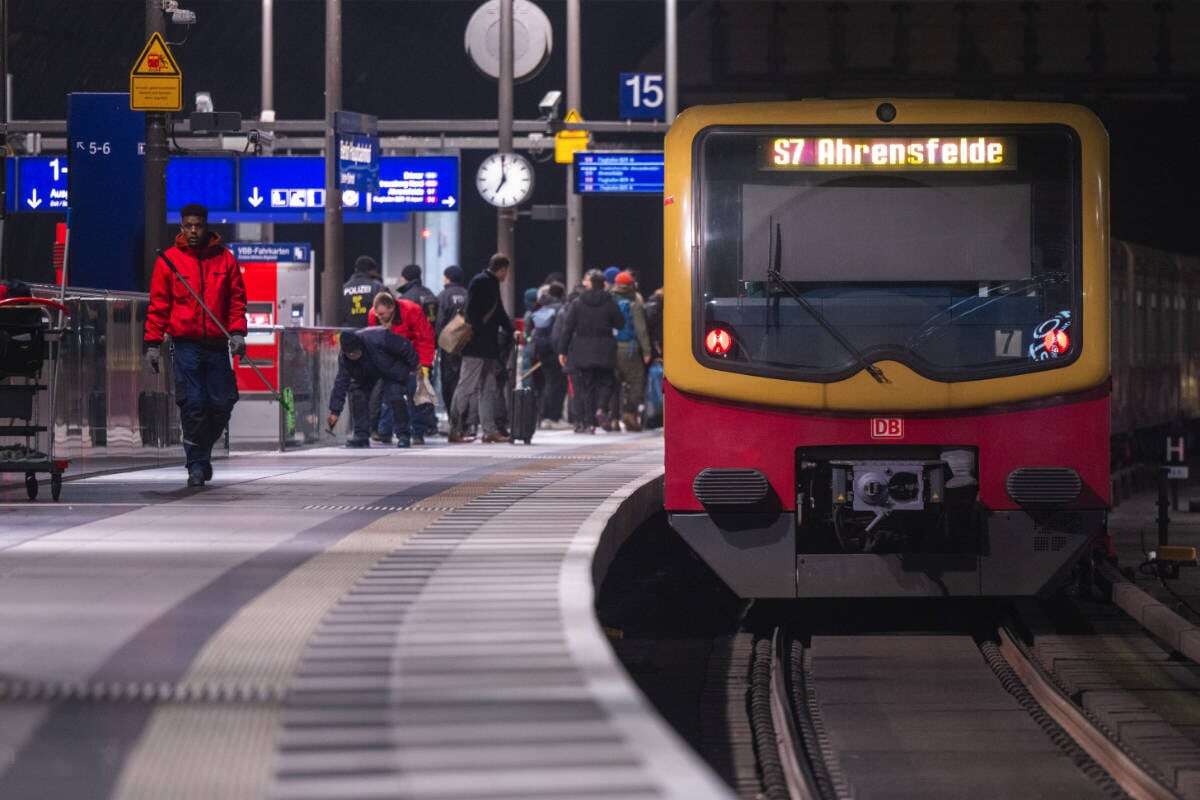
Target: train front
887, 333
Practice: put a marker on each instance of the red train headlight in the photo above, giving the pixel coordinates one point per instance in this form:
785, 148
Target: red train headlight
1056, 342
718, 342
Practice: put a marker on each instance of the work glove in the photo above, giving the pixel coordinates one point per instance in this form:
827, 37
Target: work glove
152, 356
237, 344
425, 372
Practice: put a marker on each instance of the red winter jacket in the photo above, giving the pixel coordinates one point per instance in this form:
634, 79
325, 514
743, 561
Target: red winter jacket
410, 322
213, 273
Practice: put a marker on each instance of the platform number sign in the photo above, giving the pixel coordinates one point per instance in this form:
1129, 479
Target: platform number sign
643, 96
1176, 460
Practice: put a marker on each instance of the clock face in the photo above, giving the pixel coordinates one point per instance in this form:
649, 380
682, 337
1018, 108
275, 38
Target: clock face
505, 179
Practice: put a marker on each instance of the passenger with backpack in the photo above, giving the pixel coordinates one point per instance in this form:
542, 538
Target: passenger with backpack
541, 342
633, 350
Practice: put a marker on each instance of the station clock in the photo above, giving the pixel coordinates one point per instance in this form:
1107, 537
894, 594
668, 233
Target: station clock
505, 179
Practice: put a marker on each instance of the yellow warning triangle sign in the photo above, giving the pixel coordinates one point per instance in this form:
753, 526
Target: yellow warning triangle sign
156, 61
573, 116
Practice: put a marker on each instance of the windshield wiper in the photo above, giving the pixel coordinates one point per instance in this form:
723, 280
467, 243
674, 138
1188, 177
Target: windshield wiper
774, 276
998, 293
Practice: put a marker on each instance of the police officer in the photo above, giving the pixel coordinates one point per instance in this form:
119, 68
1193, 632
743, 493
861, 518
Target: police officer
359, 292
205, 388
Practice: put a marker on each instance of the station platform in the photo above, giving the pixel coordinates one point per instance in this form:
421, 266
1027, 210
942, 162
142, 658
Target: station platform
333, 623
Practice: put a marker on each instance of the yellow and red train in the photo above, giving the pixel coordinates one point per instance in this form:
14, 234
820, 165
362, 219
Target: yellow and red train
887, 344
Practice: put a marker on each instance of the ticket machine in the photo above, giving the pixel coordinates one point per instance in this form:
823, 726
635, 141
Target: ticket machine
280, 284
280, 287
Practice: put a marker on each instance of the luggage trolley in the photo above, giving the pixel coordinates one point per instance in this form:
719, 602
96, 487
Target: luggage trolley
26, 329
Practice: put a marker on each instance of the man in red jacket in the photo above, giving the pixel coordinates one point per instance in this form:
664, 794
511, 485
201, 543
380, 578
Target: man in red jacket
405, 318
205, 388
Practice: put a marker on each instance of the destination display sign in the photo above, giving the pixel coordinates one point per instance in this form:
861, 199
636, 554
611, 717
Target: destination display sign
617, 172
893, 154
417, 183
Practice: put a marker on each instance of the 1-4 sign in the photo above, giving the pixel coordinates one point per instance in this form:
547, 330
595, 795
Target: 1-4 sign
642, 96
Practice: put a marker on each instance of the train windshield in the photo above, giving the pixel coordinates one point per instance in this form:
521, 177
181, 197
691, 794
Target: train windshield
954, 251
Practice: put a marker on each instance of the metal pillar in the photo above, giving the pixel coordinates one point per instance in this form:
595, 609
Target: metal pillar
574, 201
268, 61
672, 65
331, 272
506, 217
267, 114
155, 182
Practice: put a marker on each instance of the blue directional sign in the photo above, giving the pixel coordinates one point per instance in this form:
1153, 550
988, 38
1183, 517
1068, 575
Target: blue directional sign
272, 252
292, 188
417, 183
618, 172
282, 188
38, 185
209, 181
105, 142
642, 96
266, 189
358, 167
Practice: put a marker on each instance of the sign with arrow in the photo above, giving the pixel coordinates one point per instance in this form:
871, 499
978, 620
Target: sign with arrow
292, 189
41, 185
156, 82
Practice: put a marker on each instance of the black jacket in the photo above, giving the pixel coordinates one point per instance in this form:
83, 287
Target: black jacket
418, 293
357, 295
385, 356
450, 302
587, 338
483, 299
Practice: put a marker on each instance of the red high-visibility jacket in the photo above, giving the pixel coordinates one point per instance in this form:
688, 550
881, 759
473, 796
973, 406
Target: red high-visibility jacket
410, 322
213, 273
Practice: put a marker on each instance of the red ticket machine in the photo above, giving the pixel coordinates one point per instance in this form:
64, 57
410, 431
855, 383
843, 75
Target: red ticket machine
279, 282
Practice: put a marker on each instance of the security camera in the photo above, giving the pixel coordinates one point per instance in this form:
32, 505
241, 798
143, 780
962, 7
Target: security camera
179, 16
549, 104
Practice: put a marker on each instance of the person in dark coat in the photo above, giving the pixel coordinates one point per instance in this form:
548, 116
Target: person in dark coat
416, 291
481, 368
541, 342
589, 348
369, 356
453, 299
358, 292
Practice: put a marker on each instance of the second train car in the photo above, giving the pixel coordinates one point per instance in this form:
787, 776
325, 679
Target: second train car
887, 345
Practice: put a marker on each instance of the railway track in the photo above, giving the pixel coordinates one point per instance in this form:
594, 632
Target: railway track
829, 745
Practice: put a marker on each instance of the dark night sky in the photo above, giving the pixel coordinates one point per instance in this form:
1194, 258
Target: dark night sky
405, 59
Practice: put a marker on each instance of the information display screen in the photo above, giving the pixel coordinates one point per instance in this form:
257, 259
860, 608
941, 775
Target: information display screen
891, 154
618, 172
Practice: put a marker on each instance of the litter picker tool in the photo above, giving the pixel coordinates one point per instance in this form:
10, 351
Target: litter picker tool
278, 397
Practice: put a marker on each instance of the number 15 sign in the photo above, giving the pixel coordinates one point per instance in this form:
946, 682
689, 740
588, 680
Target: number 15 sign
642, 96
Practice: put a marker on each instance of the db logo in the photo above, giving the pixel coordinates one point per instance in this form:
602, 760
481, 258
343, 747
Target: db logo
887, 428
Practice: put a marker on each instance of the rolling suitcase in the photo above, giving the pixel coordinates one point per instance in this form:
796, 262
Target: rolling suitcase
523, 419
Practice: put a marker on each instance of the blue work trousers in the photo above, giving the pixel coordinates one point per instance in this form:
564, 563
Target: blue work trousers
422, 419
205, 391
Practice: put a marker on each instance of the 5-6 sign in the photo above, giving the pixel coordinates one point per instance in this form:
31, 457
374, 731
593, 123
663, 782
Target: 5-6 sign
642, 96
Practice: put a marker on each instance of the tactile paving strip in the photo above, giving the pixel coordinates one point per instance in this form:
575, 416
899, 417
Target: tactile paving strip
446, 672
244, 671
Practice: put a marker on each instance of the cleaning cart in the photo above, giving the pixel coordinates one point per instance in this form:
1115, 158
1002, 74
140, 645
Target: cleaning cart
28, 329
